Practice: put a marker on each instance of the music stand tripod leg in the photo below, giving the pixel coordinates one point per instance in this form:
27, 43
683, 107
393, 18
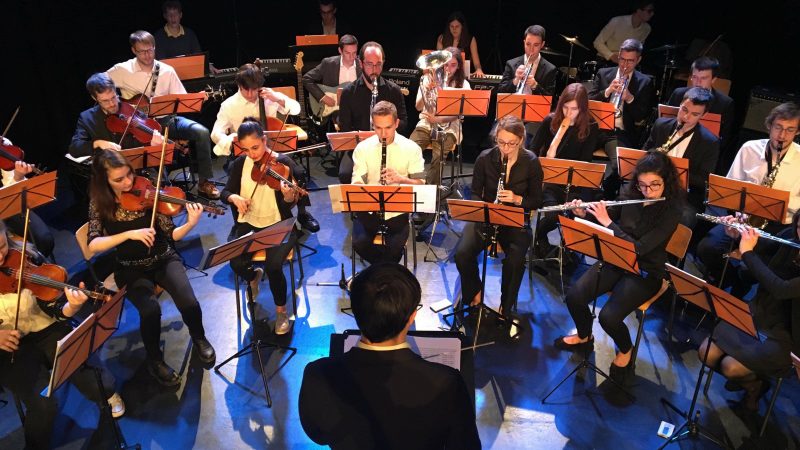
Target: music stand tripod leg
105, 410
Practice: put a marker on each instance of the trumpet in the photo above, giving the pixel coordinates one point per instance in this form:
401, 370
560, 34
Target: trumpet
665, 147
616, 97
525, 75
740, 226
570, 207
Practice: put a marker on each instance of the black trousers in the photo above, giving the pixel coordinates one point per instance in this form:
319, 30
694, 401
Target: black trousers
365, 227
515, 243
30, 374
38, 232
242, 265
628, 292
553, 195
170, 275
188, 129
346, 168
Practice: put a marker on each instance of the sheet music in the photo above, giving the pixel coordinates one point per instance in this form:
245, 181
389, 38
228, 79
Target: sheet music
596, 226
442, 350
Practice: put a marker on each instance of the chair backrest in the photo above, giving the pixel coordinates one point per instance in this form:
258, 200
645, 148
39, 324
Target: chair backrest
679, 242
82, 236
289, 91
796, 364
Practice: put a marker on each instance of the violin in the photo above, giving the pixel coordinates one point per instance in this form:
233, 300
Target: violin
46, 281
171, 199
142, 127
269, 171
9, 154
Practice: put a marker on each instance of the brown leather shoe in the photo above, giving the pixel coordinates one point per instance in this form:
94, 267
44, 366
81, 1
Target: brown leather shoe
208, 190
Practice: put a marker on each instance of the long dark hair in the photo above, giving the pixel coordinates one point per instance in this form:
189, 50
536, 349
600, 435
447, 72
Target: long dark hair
99, 190
457, 80
465, 40
577, 92
658, 163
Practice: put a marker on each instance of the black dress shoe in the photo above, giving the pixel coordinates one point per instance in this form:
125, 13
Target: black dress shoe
163, 373
204, 350
561, 345
620, 374
308, 221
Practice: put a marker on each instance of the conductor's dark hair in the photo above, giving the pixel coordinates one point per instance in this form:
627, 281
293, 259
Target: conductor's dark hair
383, 297
706, 63
535, 30
698, 96
631, 45
250, 126
98, 83
347, 39
249, 77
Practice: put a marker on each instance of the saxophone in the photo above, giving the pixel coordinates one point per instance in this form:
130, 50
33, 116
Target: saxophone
665, 147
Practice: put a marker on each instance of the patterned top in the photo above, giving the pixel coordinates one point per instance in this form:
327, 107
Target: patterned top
133, 252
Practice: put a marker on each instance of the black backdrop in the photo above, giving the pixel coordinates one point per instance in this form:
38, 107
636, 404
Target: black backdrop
50, 48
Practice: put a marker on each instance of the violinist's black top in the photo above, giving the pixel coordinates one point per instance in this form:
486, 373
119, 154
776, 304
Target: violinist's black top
133, 252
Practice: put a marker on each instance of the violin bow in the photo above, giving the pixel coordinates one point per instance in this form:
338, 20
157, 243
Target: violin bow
21, 262
158, 182
13, 117
264, 168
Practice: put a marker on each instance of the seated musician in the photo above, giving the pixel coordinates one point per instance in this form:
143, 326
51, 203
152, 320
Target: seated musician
333, 72
772, 162
649, 226
355, 111
522, 186
174, 39
91, 132
748, 362
33, 344
456, 34
144, 75
632, 92
144, 257
692, 141
430, 125
578, 142
258, 207
704, 74
404, 165
620, 28
39, 233
244, 103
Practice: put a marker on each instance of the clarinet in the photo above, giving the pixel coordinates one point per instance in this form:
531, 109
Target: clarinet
380, 238
374, 99
500, 187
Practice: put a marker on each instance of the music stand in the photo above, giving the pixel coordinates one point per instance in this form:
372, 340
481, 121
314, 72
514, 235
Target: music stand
490, 215
605, 248
628, 157
189, 67
568, 173
272, 236
173, 104
603, 113
462, 103
148, 156
723, 307
711, 121
317, 39
394, 198
277, 141
527, 107
74, 349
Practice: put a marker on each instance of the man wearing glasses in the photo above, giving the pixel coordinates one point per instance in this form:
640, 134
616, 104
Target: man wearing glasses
773, 162
144, 75
632, 93
358, 100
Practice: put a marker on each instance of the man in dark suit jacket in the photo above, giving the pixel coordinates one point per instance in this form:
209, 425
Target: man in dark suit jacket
381, 394
334, 71
704, 74
692, 141
637, 101
356, 102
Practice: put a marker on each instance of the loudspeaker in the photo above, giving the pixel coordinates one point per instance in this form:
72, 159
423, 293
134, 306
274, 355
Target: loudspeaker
762, 101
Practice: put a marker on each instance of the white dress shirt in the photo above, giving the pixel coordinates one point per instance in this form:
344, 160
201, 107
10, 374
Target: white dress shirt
31, 317
132, 79
615, 32
347, 74
452, 127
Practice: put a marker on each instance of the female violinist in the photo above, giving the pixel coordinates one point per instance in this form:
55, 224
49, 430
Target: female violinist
40, 234
259, 207
144, 257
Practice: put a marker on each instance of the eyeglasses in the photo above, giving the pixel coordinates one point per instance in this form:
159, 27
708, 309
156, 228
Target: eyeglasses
507, 144
145, 51
373, 65
627, 61
779, 129
652, 186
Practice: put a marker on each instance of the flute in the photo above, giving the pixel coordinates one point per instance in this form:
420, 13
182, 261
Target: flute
570, 207
740, 226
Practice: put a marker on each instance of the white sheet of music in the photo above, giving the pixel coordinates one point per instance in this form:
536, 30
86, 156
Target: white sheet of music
442, 350
595, 226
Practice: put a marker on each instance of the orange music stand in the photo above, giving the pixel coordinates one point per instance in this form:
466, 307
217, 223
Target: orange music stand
281, 142
603, 113
148, 156
711, 121
317, 39
529, 108
347, 140
171, 104
463, 102
749, 198
570, 173
628, 157
189, 67
27, 194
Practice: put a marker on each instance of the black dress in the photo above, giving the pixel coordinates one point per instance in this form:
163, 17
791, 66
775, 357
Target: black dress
774, 308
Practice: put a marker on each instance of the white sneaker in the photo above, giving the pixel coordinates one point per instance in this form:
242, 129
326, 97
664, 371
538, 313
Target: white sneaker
117, 405
281, 323
255, 283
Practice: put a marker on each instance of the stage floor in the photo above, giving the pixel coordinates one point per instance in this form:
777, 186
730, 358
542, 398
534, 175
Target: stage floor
228, 410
